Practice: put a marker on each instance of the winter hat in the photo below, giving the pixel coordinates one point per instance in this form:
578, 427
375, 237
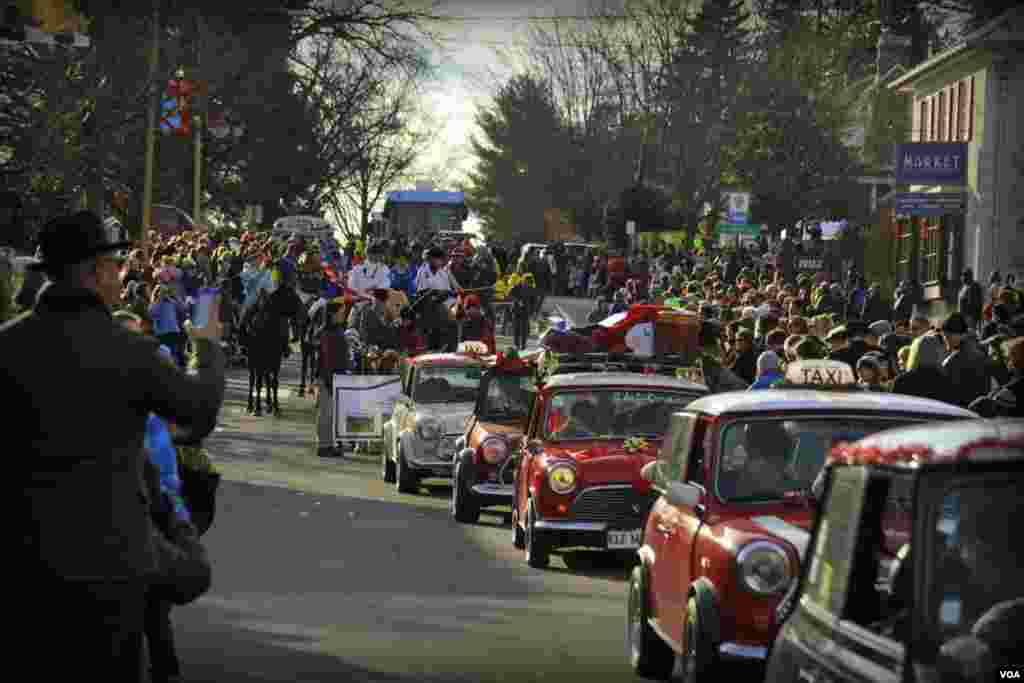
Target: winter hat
768, 363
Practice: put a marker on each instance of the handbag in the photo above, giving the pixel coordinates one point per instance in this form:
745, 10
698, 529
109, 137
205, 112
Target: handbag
183, 570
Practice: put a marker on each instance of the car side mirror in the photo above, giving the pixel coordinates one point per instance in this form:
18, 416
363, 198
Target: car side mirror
965, 659
681, 494
651, 472
535, 447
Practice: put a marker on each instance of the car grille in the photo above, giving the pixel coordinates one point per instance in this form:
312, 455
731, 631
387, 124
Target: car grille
612, 504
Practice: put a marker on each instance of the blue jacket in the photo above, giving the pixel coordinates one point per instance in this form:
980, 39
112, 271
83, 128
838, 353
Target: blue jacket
766, 381
165, 317
404, 280
162, 453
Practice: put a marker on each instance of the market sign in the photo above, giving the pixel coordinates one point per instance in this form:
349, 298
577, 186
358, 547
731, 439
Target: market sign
931, 163
930, 203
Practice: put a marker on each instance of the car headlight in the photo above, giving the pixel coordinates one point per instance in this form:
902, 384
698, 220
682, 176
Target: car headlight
429, 428
764, 568
494, 450
562, 479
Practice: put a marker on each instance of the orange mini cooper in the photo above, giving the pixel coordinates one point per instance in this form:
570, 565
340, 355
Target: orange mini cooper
487, 452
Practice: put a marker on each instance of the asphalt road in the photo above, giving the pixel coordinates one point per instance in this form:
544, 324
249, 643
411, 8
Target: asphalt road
324, 573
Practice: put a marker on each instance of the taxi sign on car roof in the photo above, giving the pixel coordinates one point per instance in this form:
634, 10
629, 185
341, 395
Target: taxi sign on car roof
831, 374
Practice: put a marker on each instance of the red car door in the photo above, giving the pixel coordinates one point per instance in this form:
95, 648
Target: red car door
679, 528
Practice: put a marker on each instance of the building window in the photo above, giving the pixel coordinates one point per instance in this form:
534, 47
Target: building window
965, 101
943, 131
904, 248
933, 253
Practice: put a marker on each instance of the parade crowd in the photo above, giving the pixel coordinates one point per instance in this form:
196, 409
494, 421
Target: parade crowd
119, 487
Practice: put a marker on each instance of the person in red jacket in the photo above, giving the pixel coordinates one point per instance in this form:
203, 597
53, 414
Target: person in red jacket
334, 357
473, 325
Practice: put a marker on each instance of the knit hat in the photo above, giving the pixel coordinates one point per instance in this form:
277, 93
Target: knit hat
768, 363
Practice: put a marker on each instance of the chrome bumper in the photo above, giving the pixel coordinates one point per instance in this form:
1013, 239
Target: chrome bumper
556, 525
742, 652
494, 490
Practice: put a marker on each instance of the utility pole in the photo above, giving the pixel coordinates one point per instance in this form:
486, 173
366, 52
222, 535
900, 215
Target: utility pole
197, 126
151, 123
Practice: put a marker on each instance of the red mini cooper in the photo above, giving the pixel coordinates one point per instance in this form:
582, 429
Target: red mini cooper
578, 480
727, 537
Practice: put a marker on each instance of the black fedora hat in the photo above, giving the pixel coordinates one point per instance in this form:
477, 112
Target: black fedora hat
67, 240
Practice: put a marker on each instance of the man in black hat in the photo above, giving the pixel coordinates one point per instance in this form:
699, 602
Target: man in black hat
966, 364
79, 388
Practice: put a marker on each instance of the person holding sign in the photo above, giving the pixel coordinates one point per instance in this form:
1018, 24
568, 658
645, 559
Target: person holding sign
334, 358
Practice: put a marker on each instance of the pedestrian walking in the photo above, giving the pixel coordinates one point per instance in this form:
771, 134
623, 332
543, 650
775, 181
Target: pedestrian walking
76, 419
970, 299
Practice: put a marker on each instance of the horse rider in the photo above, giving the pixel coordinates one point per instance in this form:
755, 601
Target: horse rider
435, 280
371, 274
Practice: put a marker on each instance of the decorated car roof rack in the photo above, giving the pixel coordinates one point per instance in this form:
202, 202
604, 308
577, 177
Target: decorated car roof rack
670, 364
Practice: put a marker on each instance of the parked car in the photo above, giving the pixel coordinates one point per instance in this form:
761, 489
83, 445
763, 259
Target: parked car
589, 434
170, 220
950, 606
438, 395
485, 469
726, 538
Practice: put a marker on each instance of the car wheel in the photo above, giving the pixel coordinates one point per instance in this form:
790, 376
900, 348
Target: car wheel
405, 478
465, 508
387, 467
696, 660
649, 655
518, 537
538, 554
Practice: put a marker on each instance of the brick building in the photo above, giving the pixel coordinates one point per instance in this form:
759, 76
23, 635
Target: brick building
972, 93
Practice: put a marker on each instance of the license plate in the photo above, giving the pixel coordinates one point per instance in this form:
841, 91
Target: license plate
624, 539
360, 425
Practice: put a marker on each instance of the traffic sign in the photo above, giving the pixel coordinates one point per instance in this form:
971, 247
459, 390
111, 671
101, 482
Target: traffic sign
739, 229
738, 207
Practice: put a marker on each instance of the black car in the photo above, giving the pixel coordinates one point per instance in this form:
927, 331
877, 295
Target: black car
914, 565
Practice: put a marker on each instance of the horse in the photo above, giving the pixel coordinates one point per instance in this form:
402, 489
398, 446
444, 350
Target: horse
266, 338
309, 345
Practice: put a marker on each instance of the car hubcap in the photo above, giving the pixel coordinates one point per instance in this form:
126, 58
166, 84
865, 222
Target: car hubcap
456, 491
633, 622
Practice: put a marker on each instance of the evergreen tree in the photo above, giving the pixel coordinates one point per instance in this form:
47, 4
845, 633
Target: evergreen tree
522, 160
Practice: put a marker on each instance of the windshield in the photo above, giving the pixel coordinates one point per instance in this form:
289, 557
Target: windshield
508, 396
612, 414
977, 555
446, 384
764, 459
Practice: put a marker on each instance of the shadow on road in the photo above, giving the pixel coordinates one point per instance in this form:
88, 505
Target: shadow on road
321, 588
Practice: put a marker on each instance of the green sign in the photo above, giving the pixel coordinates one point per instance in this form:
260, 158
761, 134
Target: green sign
739, 229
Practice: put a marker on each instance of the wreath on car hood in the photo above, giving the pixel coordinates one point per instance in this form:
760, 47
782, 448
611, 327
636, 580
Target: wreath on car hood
635, 444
